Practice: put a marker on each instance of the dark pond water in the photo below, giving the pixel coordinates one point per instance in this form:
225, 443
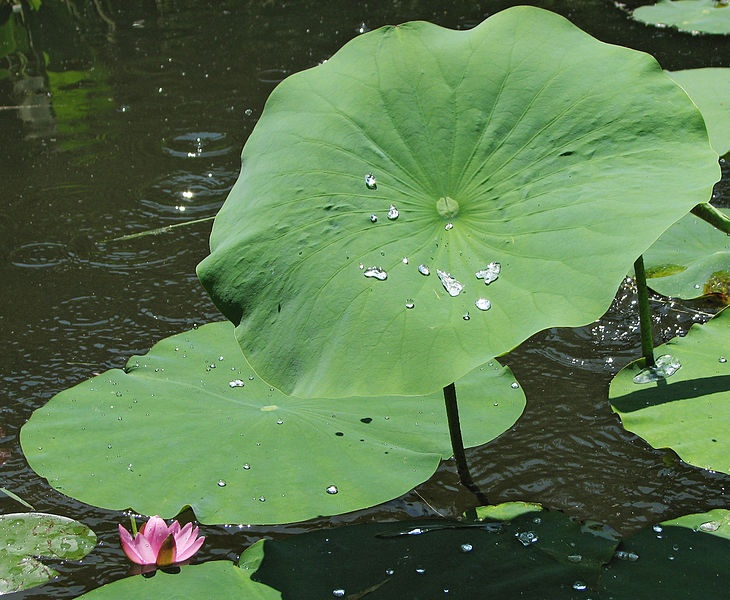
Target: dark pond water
120, 116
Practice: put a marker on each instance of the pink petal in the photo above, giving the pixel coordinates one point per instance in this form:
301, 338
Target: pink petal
184, 554
155, 531
137, 549
184, 536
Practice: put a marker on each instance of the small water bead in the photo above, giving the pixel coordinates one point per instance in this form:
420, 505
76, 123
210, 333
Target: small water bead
389, 571
262, 499
624, 555
236, 383
666, 366
574, 558
466, 548
338, 593
722, 359
332, 490
424, 270
483, 304
375, 273
246, 467
466, 316
370, 181
580, 586
279, 422
514, 385
449, 226
221, 483
490, 273
710, 526
420, 571
451, 285
373, 218
410, 303
405, 260
526, 537
393, 212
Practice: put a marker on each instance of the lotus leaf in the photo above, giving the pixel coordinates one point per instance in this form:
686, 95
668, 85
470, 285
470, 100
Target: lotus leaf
27, 536
673, 560
189, 424
522, 144
710, 90
691, 259
535, 555
216, 579
687, 412
702, 16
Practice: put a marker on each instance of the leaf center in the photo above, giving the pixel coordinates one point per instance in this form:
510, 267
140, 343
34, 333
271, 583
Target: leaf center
447, 207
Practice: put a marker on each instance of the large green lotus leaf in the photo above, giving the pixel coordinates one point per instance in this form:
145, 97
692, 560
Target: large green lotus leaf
679, 559
188, 424
27, 536
689, 260
560, 157
705, 16
690, 411
535, 555
213, 580
710, 90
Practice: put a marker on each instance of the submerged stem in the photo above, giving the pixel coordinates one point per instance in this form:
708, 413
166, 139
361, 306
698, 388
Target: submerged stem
647, 340
457, 443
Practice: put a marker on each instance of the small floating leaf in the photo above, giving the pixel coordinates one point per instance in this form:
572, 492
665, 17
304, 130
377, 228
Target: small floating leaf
27, 536
693, 16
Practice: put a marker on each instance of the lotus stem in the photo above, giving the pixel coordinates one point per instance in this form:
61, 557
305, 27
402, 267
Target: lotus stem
647, 340
714, 217
457, 443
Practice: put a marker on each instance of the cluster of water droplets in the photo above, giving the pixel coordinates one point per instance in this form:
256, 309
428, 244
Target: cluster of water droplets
665, 366
451, 284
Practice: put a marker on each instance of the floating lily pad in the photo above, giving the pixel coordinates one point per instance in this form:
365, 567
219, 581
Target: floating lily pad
535, 555
189, 424
27, 536
690, 411
691, 259
694, 16
674, 560
710, 90
216, 579
522, 141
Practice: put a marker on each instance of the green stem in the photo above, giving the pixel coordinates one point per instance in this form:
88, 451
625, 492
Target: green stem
714, 217
647, 341
457, 443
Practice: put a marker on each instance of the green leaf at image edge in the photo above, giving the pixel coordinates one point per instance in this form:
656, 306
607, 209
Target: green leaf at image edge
690, 259
523, 141
709, 89
703, 16
688, 412
188, 424
27, 536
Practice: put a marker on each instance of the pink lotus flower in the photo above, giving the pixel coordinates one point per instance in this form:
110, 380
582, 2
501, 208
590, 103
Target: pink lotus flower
158, 544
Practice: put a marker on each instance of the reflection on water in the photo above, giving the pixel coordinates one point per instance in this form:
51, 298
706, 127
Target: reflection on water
125, 116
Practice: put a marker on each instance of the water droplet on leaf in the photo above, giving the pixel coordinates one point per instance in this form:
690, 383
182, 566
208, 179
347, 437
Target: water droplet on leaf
373, 218
466, 548
221, 483
375, 273
370, 181
490, 273
236, 383
246, 467
424, 270
483, 304
466, 316
338, 593
410, 303
526, 537
666, 366
451, 285
449, 226
393, 212
710, 526
332, 489
579, 585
